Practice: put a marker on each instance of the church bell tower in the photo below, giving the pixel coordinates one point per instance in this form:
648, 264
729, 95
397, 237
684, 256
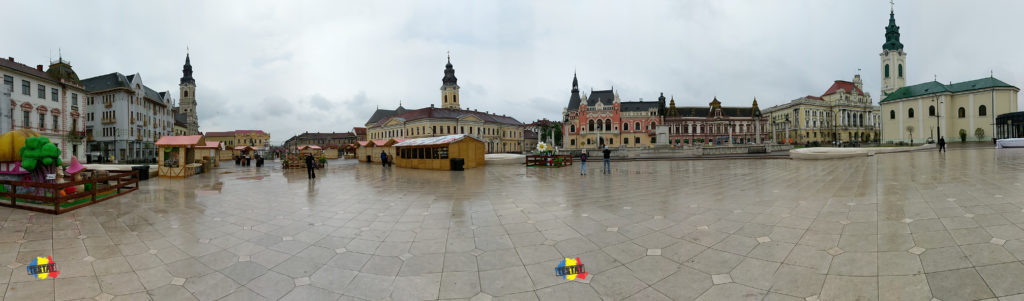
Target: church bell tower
893, 59
187, 87
449, 87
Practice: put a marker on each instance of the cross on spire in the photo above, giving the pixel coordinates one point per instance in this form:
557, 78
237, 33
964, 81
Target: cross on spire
891, 5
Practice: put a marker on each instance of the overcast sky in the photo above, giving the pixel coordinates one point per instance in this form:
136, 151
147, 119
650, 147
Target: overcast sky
293, 66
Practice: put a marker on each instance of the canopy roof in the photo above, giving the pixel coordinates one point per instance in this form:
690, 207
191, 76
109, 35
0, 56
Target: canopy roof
436, 140
243, 147
304, 147
181, 141
210, 144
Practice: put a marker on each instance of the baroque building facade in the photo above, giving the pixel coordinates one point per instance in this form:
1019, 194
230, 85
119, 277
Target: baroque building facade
603, 119
47, 102
963, 111
500, 133
715, 124
844, 113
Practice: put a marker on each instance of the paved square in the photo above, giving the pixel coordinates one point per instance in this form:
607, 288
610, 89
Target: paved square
905, 226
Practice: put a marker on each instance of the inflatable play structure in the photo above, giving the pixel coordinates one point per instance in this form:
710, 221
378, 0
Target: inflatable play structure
33, 177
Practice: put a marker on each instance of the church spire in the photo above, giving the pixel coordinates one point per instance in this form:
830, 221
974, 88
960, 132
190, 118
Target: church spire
892, 33
186, 72
575, 84
449, 74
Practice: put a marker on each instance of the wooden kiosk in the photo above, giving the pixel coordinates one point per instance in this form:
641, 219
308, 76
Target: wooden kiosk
316, 151
177, 156
210, 150
370, 150
440, 153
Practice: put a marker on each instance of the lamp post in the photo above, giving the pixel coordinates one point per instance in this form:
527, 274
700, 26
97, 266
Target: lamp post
938, 129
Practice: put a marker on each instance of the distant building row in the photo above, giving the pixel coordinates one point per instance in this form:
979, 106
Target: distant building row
106, 117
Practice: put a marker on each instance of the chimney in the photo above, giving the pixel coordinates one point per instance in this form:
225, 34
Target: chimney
10, 58
39, 67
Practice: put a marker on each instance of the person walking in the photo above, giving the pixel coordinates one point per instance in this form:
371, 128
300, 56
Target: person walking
942, 144
383, 159
309, 166
607, 168
583, 162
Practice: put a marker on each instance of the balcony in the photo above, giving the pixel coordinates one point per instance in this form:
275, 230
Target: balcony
108, 120
131, 121
108, 104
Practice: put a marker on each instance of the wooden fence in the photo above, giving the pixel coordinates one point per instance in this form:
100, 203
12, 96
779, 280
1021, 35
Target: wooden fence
47, 197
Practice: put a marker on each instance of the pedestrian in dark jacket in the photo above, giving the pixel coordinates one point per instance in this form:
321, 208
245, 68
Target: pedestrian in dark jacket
310, 166
383, 159
942, 144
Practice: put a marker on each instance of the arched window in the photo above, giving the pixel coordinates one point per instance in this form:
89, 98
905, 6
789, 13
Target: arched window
899, 70
931, 110
625, 140
572, 128
607, 124
446, 99
455, 98
892, 114
886, 70
625, 126
982, 110
186, 93
636, 140
961, 112
590, 125
636, 127
572, 141
653, 125
910, 113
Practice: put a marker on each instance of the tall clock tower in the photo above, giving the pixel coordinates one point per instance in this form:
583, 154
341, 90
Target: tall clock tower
449, 87
187, 87
893, 59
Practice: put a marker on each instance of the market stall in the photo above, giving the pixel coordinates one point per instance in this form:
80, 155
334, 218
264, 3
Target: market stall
209, 153
453, 152
177, 156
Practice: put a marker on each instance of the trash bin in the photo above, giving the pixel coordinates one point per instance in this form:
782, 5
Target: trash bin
143, 171
458, 163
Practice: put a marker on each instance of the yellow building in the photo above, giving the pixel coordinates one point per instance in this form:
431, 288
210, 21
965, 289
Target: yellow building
255, 138
964, 111
499, 133
844, 113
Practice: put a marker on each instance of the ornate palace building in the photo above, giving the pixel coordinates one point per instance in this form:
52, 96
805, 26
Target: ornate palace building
715, 124
51, 102
844, 113
963, 111
603, 119
500, 133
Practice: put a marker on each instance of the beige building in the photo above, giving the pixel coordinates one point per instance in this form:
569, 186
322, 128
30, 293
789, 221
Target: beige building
844, 113
499, 133
962, 111
933, 110
257, 139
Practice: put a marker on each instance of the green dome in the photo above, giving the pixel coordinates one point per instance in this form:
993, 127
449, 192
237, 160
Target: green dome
61, 70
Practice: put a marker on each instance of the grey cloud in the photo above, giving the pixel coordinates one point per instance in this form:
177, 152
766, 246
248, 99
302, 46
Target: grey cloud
329, 64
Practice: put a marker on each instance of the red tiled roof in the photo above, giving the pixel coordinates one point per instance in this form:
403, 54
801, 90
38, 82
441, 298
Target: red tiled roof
179, 140
9, 63
210, 144
359, 131
815, 97
845, 85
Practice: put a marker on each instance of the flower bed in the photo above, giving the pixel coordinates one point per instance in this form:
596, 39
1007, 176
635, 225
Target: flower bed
53, 197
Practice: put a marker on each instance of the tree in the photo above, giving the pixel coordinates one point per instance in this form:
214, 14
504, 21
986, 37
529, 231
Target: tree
980, 133
40, 157
963, 135
910, 130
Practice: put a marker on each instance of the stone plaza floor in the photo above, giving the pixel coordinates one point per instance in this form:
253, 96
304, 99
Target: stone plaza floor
905, 226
